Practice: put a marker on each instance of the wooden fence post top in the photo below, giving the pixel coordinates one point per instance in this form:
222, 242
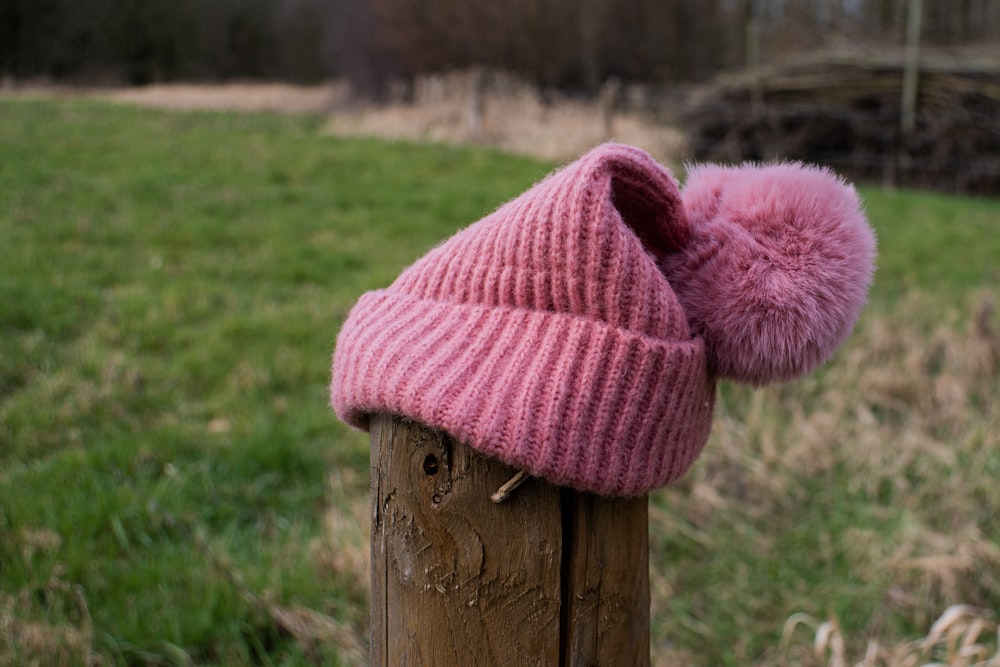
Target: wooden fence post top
548, 576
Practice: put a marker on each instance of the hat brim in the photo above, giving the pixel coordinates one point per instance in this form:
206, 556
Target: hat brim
568, 398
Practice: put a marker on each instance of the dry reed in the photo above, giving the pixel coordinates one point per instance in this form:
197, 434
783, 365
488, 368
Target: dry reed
908, 417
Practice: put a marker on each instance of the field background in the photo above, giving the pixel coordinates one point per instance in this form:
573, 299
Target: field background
174, 489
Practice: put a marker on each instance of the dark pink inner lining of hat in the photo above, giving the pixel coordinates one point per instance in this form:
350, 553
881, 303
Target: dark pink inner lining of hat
649, 214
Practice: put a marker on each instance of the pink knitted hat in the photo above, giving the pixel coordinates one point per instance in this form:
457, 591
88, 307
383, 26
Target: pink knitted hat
550, 334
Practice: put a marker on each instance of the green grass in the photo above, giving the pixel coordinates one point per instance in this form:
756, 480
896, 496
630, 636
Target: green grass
171, 286
170, 292
934, 243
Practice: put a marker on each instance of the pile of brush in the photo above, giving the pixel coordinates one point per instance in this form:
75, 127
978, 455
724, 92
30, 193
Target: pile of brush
846, 112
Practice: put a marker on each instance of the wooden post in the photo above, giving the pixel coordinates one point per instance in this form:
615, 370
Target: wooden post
477, 93
753, 64
908, 103
548, 577
911, 67
609, 104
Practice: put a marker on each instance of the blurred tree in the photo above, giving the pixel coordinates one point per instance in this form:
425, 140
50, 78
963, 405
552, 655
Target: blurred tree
573, 44
141, 41
302, 45
151, 40
354, 46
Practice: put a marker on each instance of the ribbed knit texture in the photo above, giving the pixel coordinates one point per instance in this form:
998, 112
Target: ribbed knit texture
545, 334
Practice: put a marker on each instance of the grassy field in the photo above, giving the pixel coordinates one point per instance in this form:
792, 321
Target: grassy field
174, 489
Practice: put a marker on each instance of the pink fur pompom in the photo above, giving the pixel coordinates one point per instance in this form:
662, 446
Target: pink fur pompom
778, 270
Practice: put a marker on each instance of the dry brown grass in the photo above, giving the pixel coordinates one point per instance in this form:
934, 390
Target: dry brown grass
514, 118
963, 636
344, 549
317, 634
907, 416
277, 97
39, 643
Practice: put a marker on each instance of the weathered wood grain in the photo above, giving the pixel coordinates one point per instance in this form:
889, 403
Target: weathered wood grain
550, 576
